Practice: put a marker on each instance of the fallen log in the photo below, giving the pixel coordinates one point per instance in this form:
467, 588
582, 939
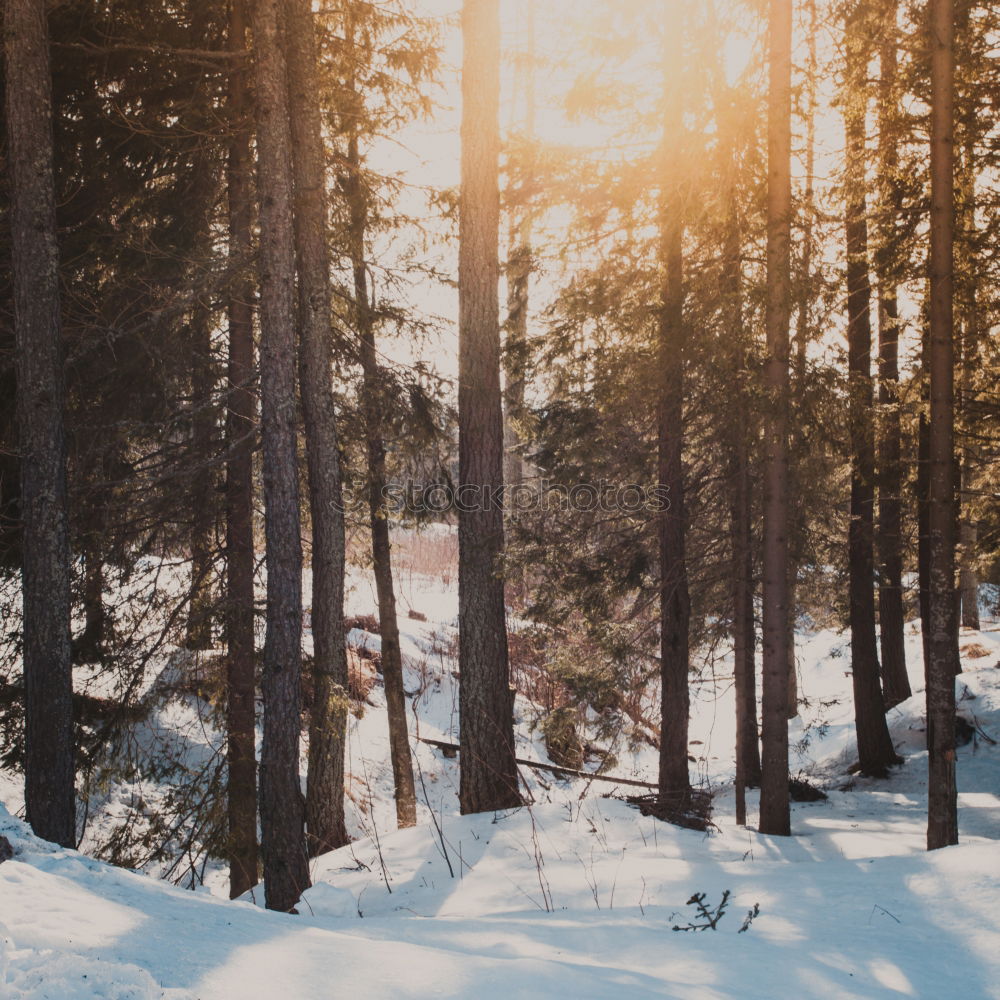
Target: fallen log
451, 750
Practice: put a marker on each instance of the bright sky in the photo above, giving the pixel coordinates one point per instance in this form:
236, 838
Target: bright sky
428, 153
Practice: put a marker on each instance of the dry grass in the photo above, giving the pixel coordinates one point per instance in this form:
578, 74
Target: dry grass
430, 554
974, 651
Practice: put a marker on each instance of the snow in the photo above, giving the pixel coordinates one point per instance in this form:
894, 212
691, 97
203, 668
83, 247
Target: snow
575, 895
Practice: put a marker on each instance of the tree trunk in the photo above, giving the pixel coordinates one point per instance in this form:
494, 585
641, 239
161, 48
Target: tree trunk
518, 286
201, 203
875, 750
968, 271
282, 815
488, 777
774, 809
889, 532
373, 401
49, 796
942, 665
328, 721
240, 434
744, 638
797, 514
675, 607
923, 491
199, 623
741, 519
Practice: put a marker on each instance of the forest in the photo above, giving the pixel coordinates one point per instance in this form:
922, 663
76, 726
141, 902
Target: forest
494, 483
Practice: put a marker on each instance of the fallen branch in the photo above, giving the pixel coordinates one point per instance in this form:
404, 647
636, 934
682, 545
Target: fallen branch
453, 748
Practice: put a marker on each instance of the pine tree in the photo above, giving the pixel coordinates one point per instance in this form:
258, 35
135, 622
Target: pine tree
375, 403
241, 416
969, 303
49, 794
202, 202
798, 514
373, 85
875, 750
740, 484
328, 720
889, 529
519, 264
282, 819
942, 660
774, 808
488, 772
675, 605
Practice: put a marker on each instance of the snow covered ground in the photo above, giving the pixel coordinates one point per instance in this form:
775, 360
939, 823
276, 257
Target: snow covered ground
576, 895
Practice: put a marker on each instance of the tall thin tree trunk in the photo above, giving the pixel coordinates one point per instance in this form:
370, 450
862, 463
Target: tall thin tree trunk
969, 270
803, 306
518, 284
923, 492
875, 750
240, 434
889, 532
199, 623
774, 809
49, 796
282, 813
328, 721
373, 402
798, 528
201, 203
741, 518
675, 607
488, 778
942, 664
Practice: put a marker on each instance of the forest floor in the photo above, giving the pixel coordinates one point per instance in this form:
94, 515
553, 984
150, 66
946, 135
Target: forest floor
576, 895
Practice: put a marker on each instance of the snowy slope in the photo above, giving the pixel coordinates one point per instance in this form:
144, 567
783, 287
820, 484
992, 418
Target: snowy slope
574, 896
832, 923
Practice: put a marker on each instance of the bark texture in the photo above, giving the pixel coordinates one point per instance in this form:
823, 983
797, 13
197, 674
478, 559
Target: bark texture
488, 771
282, 813
942, 660
200, 603
240, 437
519, 284
741, 520
875, 750
889, 532
968, 293
797, 527
328, 721
675, 605
49, 796
774, 809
